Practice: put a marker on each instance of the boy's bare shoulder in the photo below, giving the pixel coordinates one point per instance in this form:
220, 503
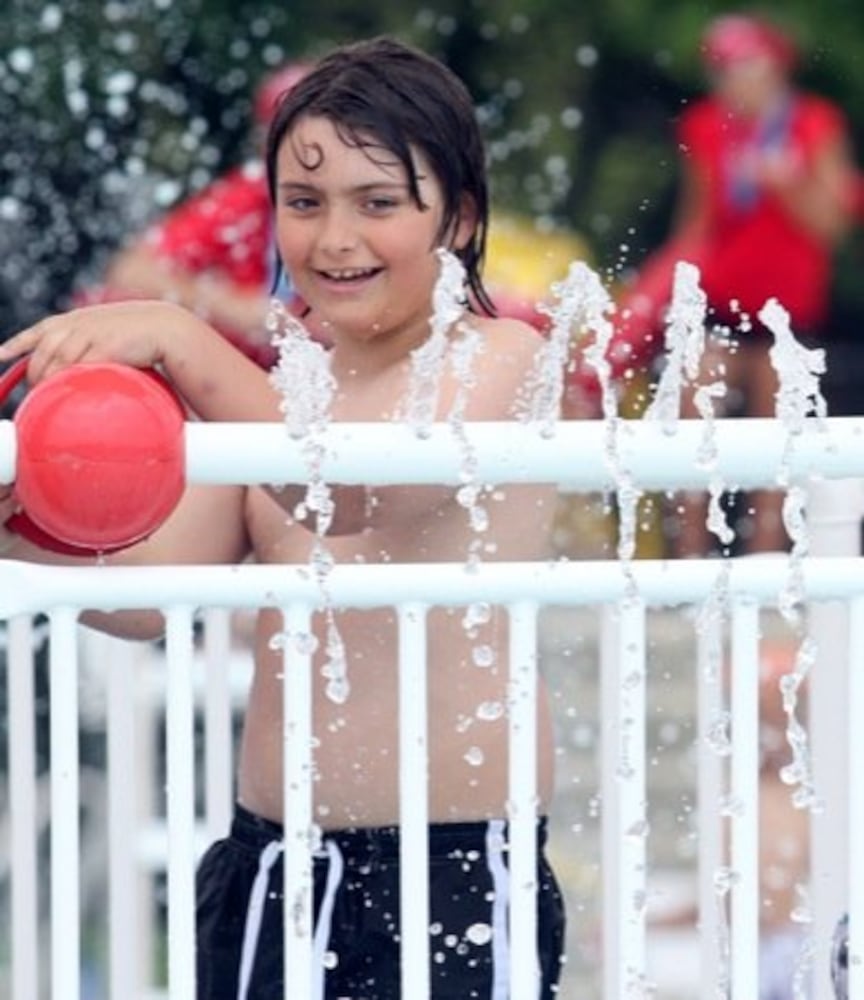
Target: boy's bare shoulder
507, 341
503, 367
507, 329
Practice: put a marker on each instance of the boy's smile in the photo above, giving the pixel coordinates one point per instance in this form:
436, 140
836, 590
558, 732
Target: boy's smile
358, 247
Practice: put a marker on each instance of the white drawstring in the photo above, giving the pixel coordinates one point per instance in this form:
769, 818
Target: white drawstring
324, 923
500, 908
254, 915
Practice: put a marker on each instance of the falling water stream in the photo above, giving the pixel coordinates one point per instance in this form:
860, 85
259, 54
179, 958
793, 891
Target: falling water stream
580, 311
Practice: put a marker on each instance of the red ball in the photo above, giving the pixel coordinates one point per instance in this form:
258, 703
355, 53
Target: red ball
100, 457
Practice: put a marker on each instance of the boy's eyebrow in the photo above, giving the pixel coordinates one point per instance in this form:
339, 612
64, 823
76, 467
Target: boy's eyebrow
370, 186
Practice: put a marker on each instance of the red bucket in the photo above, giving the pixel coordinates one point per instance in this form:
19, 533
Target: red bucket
100, 456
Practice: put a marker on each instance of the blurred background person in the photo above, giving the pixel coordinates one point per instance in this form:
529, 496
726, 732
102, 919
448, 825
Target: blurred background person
767, 192
214, 253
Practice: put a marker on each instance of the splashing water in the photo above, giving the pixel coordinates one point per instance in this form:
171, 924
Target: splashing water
464, 350
685, 345
569, 317
799, 401
454, 342
799, 772
303, 378
596, 308
429, 359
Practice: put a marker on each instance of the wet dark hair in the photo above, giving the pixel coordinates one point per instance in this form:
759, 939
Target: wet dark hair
399, 97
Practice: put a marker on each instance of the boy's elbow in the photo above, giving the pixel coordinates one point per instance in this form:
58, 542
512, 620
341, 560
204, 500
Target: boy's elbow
142, 626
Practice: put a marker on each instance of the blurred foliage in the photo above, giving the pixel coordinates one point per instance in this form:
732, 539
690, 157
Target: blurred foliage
110, 111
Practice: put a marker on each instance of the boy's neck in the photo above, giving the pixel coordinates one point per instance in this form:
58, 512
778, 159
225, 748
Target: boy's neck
378, 353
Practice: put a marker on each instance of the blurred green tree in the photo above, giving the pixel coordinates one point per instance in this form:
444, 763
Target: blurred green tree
112, 109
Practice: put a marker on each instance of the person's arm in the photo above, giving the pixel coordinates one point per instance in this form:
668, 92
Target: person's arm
816, 195
207, 527
216, 380
213, 377
144, 272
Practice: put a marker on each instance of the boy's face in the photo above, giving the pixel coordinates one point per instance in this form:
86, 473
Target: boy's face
359, 249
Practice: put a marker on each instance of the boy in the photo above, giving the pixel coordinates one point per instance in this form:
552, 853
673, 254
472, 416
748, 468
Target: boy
374, 161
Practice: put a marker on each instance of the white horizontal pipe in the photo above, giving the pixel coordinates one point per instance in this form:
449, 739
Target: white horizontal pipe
27, 587
749, 452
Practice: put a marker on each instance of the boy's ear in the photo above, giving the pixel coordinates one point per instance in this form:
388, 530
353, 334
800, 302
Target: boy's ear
466, 223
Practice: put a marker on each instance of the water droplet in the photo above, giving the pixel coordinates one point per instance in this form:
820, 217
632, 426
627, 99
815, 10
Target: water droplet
483, 656
489, 711
479, 934
724, 879
638, 830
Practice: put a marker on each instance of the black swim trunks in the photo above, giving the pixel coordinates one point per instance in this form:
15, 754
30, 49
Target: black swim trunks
840, 959
356, 895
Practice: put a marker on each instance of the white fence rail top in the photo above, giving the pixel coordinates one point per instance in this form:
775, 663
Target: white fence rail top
693, 452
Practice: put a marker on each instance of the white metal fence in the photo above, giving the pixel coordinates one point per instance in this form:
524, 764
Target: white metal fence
748, 453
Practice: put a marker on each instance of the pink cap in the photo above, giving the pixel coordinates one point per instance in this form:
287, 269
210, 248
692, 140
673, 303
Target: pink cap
735, 37
274, 87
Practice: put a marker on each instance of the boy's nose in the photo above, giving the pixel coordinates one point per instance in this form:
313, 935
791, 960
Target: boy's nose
338, 234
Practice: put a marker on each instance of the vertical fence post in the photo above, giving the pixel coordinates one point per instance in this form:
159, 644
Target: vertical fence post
711, 767
297, 797
744, 800
218, 742
524, 970
124, 940
180, 795
24, 942
834, 515
856, 798
625, 829
413, 800
65, 803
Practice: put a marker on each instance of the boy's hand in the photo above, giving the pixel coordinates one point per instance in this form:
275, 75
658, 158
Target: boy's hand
124, 332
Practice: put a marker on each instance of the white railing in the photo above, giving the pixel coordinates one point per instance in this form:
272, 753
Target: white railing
582, 456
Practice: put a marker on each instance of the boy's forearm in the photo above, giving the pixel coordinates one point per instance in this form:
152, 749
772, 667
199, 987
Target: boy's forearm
214, 297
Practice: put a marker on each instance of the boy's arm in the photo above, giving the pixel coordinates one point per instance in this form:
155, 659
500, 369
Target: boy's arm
220, 384
214, 378
142, 271
207, 527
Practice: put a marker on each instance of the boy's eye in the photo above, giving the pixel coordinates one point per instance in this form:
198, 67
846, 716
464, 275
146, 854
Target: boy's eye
380, 203
300, 203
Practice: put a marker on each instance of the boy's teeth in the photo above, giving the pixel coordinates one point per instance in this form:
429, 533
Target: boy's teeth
351, 272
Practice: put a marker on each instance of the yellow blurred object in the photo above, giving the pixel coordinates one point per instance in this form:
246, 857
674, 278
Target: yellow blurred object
524, 260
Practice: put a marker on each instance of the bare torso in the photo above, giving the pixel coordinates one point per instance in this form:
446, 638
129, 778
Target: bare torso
356, 742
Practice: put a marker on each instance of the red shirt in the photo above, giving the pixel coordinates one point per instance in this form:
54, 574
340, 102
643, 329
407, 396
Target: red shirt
755, 250
223, 229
